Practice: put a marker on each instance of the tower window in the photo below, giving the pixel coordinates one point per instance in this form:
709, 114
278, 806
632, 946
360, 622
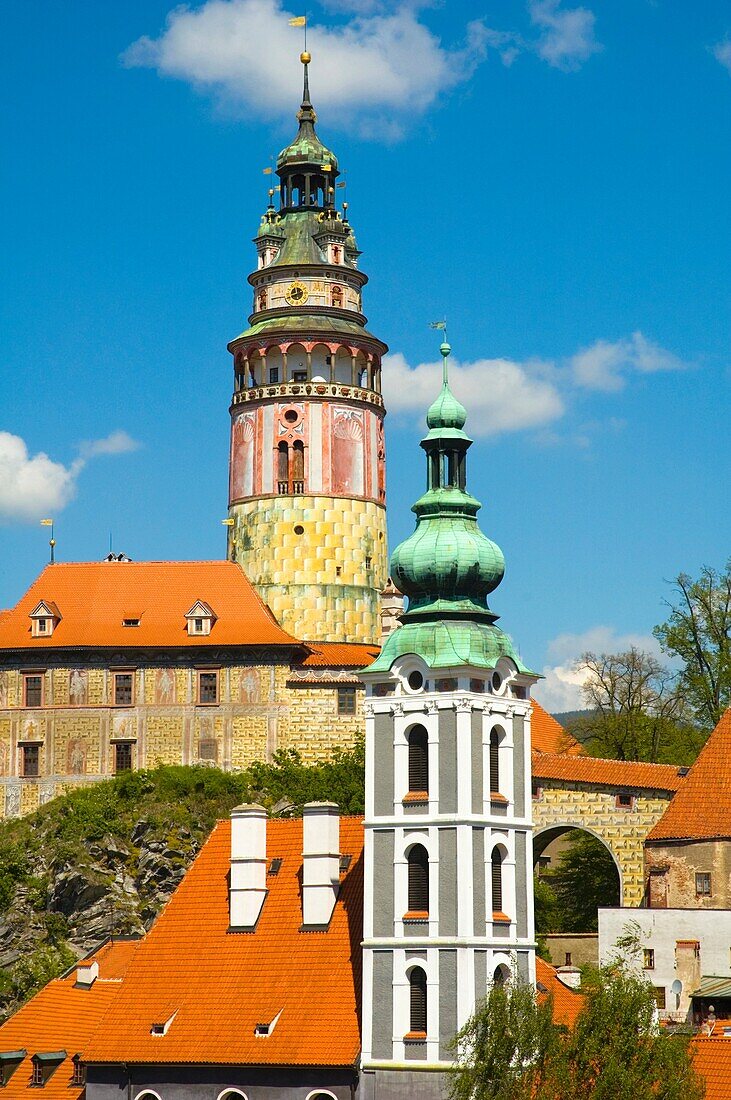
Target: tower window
417, 1001
298, 467
497, 880
273, 374
418, 892
418, 760
494, 761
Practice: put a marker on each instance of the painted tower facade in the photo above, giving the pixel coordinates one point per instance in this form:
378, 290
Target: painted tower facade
307, 488
448, 902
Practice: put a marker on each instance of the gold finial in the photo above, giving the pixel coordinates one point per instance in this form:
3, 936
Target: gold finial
305, 57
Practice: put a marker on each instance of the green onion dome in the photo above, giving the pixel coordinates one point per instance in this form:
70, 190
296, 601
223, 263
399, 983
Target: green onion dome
446, 411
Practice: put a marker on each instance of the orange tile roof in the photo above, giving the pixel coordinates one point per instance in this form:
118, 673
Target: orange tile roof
548, 735
567, 1003
221, 984
339, 655
712, 1060
63, 1017
702, 807
94, 597
608, 773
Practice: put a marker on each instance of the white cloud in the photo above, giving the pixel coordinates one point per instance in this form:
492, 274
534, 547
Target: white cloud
722, 53
605, 365
561, 688
34, 486
380, 67
567, 34
500, 394
116, 443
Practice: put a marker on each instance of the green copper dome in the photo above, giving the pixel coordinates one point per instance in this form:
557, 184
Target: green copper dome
447, 568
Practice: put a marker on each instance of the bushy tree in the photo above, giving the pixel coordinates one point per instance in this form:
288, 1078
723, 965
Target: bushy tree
585, 878
510, 1049
634, 709
699, 633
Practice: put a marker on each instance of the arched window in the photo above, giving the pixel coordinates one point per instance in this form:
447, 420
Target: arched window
232, 1094
336, 296
417, 991
298, 467
320, 1095
283, 468
494, 761
497, 880
501, 975
418, 759
148, 1094
418, 859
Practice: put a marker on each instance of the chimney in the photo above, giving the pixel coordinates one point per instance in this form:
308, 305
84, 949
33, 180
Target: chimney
248, 866
392, 607
570, 976
87, 974
320, 863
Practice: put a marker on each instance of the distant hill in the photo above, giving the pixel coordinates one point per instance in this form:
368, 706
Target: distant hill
566, 717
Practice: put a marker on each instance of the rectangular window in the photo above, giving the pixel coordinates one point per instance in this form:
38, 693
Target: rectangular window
346, 700
567, 958
42, 626
274, 374
31, 760
33, 689
123, 756
536, 791
123, 689
299, 376
703, 884
624, 801
207, 687
208, 748
659, 994
648, 958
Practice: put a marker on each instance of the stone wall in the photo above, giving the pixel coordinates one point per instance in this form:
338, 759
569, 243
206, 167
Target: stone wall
671, 871
563, 805
261, 708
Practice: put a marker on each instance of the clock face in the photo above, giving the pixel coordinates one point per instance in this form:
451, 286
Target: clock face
297, 294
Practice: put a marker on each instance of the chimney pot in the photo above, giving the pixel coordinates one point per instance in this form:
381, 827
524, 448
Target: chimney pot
248, 865
320, 862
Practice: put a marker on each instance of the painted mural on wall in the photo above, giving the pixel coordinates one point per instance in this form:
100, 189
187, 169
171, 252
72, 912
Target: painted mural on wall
250, 688
76, 757
164, 687
243, 438
3, 689
78, 687
348, 452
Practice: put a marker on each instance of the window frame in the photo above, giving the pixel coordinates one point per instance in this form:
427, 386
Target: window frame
352, 694
418, 1003
27, 748
199, 674
417, 739
418, 881
41, 677
703, 893
648, 958
127, 746
116, 674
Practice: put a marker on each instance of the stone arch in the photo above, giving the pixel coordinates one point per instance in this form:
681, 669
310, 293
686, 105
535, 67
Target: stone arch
543, 837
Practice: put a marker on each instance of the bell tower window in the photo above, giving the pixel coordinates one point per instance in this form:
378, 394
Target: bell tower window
417, 1001
418, 761
418, 884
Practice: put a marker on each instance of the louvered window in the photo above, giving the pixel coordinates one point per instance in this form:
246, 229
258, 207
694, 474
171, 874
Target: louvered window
418, 759
418, 879
494, 761
497, 881
417, 984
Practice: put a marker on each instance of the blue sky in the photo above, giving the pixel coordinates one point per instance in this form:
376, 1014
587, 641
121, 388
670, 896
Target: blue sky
552, 177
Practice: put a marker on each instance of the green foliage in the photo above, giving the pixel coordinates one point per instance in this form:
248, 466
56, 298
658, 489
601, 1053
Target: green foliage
507, 1049
341, 779
34, 971
698, 632
511, 1050
585, 878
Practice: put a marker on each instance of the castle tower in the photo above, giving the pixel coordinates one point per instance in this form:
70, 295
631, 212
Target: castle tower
448, 896
307, 469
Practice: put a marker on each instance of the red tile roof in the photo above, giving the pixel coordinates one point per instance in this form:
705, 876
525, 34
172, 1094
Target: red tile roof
548, 735
94, 597
567, 1003
339, 655
221, 985
64, 1016
608, 773
712, 1060
702, 807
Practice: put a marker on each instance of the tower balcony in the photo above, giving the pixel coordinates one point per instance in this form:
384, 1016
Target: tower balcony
316, 390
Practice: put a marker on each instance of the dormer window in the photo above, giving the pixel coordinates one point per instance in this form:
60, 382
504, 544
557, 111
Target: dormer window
44, 1066
78, 1076
9, 1062
200, 619
44, 618
131, 618
161, 1027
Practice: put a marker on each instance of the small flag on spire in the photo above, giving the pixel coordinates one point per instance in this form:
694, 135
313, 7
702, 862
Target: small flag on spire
267, 171
341, 184
438, 324
298, 21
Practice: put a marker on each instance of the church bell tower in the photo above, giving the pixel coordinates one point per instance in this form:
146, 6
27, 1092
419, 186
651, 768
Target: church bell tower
448, 883
307, 463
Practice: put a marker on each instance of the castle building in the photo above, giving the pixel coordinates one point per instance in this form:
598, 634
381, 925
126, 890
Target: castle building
307, 470
448, 900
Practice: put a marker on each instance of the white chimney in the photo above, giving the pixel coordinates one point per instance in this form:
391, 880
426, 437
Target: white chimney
87, 974
320, 862
570, 976
248, 865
